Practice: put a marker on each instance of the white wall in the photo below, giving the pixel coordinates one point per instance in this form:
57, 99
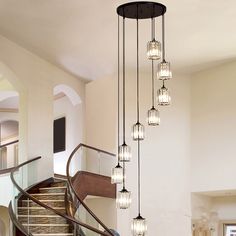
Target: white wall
74, 131
213, 116
35, 79
165, 152
6, 186
104, 208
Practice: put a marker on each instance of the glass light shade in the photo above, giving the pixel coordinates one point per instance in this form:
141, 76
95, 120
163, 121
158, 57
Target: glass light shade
124, 152
164, 71
163, 96
139, 226
138, 131
154, 50
153, 117
117, 175
123, 199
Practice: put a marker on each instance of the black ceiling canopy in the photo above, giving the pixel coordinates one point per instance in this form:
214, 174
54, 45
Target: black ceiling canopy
141, 10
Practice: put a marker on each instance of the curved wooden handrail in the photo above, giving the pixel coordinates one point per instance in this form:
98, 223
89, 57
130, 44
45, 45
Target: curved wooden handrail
72, 220
72, 187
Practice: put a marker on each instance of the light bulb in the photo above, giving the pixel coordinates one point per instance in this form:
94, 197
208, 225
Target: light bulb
154, 50
163, 96
138, 132
124, 152
139, 226
123, 199
117, 174
164, 71
153, 117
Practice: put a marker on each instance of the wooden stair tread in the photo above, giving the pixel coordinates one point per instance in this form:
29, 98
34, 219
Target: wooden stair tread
43, 225
57, 187
47, 194
46, 200
48, 216
32, 207
58, 234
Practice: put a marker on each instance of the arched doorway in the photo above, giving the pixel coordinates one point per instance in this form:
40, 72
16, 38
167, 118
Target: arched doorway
9, 135
67, 106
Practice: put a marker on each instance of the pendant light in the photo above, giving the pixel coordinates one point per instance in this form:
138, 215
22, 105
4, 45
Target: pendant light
123, 200
138, 128
153, 113
153, 46
163, 95
138, 226
124, 149
117, 171
164, 71
142, 10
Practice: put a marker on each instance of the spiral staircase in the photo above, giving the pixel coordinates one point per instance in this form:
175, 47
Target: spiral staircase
56, 206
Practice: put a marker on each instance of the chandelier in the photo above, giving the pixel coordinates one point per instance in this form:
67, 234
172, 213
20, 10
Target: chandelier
155, 52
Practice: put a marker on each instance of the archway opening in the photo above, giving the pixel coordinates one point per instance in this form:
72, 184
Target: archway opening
9, 126
68, 125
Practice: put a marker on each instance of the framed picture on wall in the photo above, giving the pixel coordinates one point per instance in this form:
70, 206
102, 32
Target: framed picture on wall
59, 135
229, 229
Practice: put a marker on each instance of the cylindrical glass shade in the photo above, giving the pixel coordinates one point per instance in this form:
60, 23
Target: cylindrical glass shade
117, 175
139, 226
164, 71
123, 199
138, 131
163, 96
153, 117
124, 152
154, 50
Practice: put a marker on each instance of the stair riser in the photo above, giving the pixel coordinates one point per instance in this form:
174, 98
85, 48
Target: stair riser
48, 229
49, 197
42, 220
51, 204
53, 190
38, 211
59, 184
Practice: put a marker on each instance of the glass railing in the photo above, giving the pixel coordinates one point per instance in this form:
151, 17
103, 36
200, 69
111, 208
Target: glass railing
31, 216
87, 161
8, 156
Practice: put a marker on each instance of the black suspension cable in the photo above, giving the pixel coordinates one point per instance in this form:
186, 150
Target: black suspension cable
124, 79
118, 86
139, 185
163, 38
153, 28
137, 71
153, 85
139, 182
123, 97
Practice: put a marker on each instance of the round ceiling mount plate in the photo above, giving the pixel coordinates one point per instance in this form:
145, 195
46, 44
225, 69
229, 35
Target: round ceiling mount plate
141, 10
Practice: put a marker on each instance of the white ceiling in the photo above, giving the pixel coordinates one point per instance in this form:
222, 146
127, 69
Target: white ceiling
80, 36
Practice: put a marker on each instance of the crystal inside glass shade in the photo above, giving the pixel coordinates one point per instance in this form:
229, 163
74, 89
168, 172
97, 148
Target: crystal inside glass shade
123, 199
139, 226
154, 50
124, 152
153, 117
164, 71
163, 96
138, 131
117, 175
